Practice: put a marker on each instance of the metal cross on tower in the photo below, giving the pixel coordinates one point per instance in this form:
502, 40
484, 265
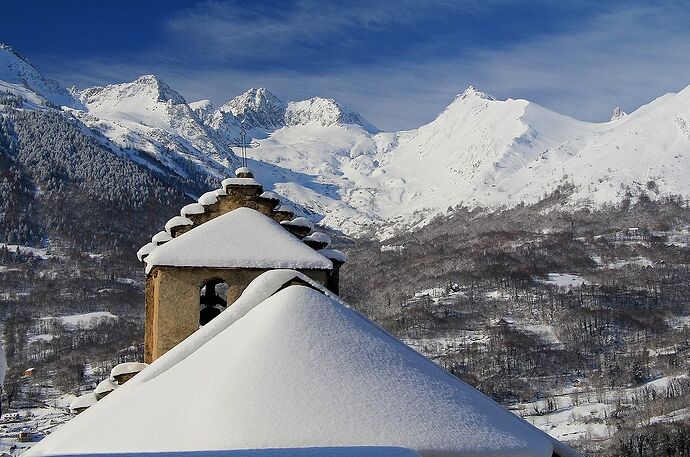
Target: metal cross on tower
242, 143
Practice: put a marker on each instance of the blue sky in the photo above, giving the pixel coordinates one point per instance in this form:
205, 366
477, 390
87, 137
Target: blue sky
398, 63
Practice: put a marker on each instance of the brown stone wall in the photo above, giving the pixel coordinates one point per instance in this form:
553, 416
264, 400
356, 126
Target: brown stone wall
172, 301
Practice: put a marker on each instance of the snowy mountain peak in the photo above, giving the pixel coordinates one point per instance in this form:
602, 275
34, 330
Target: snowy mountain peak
164, 92
325, 112
257, 108
472, 92
19, 77
618, 113
146, 89
7, 48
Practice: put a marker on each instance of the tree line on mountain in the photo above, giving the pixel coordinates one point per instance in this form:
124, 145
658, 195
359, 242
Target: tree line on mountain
60, 183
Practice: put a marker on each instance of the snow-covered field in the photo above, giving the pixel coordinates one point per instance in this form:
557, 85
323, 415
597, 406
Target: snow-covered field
565, 280
26, 250
83, 320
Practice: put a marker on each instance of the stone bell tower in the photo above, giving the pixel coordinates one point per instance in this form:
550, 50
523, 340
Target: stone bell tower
231, 235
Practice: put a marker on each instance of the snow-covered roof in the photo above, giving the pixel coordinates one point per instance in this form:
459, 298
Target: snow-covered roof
107, 385
145, 250
297, 370
299, 222
83, 401
192, 208
127, 368
242, 238
176, 222
242, 171
334, 254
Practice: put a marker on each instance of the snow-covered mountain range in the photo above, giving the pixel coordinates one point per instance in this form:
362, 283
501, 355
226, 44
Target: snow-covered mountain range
479, 152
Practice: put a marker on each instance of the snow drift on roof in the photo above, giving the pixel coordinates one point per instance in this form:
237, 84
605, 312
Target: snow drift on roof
333, 254
242, 238
161, 237
299, 222
318, 237
240, 182
270, 195
299, 370
209, 198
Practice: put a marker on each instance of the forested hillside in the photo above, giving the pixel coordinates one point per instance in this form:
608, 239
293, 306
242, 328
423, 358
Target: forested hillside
578, 322
64, 187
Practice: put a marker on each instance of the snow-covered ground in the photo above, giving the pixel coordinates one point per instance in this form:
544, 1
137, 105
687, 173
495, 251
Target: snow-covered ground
84, 320
26, 250
569, 409
581, 413
34, 422
565, 280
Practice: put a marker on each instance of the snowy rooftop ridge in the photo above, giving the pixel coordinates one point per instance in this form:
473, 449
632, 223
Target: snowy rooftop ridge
242, 238
326, 377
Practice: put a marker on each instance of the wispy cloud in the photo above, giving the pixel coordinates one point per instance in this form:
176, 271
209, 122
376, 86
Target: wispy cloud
620, 55
223, 30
